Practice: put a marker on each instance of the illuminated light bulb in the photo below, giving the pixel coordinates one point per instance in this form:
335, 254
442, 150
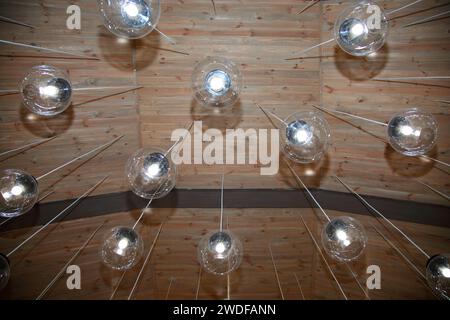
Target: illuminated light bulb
122, 248
438, 275
46, 90
220, 252
19, 192
344, 238
306, 137
216, 82
412, 132
150, 173
361, 29
131, 19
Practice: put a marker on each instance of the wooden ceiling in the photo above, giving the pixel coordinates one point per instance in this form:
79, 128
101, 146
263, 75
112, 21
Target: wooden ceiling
175, 257
258, 35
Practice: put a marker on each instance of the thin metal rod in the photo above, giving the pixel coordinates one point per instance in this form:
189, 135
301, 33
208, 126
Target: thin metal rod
221, 202
299, 286
443, 195
39, 200
307, 190
84, 195
104, 146
413, 78
276, 271
145, 262
308, 6
429, 19
228, 287
214, 7
128, 88
357, 281
48, 49
64, 268
118, 285
323, 258
398, 251
310, 48
6, 19
180, 140
29, 145
172, 279
267, 113
169, 39
200, 271
442, 101
146, 207
403, 7
381, 215
378, 123
352, 115
9, 91
435, 160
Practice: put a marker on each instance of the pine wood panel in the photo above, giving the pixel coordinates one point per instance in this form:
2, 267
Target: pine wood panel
258, 35
175, 256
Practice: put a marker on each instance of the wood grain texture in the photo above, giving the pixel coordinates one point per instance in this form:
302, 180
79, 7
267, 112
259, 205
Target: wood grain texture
175, 255
258, 36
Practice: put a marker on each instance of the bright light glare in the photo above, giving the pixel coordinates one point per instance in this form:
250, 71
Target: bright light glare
131, 9
17, 190
217, 84
49, 91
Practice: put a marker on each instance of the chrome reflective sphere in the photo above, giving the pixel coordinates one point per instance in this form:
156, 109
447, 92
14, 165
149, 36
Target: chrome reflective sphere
306, 137
130, 19
216, 82
122, 248
413, 132
18, 192
150, 173
344, 238
5, 271
46, 90
361, 29
220, 252
438, 275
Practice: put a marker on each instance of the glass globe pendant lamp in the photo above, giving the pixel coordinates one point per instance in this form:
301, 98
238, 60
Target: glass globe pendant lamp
220, 252
46, 90
151, 173
216, 82
131, 19
305, 136
362, 28
343, 238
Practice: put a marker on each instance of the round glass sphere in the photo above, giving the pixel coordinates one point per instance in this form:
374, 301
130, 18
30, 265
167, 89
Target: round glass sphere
305, 137
132, 19
122, 248
18, 192
216, 82
438, 275
220, 252
5, 271
46, 90
344, 238
361, 29
150, 173
412, 132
